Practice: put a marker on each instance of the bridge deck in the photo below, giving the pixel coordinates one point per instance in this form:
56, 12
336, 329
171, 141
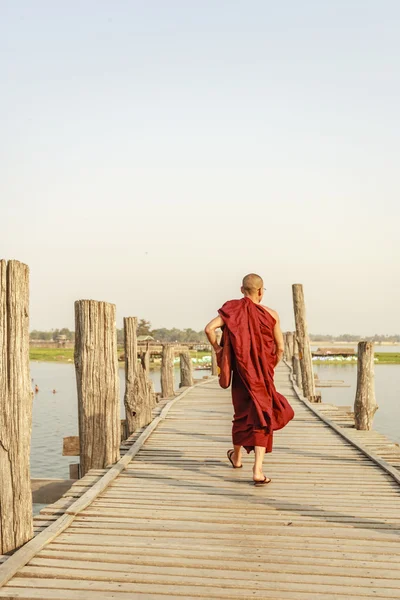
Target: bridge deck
180, 522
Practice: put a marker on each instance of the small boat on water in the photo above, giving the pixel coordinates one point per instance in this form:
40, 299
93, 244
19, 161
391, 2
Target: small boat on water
206, 367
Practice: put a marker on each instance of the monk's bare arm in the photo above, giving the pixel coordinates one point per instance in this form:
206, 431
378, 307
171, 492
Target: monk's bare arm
210, 332
278, 335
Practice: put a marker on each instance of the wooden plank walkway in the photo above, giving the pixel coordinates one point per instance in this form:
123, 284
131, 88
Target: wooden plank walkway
179, 522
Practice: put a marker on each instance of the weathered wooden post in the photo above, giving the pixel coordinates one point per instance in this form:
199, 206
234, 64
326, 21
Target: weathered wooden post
365, 405
303, 340
145, 358
138, 398
186, 368
96, 366
16, 525
296, 363
167, 371
289, 346
214, 365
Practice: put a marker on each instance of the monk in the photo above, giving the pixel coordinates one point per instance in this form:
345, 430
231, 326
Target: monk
257, 346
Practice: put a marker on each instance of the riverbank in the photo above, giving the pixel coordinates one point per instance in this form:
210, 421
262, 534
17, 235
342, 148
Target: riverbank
381, 358
66, 355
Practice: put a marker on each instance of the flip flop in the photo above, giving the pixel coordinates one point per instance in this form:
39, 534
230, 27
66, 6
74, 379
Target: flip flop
262, 481
229, 455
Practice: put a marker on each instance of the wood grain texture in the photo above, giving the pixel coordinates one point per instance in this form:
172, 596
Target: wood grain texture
186, 368
96, 366
365, 405
303, 340
16, 525
167, 371
179, 522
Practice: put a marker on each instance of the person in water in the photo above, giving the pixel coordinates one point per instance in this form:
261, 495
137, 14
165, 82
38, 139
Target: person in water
257, 346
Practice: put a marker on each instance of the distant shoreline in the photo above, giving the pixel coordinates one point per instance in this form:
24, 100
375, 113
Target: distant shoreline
66, 356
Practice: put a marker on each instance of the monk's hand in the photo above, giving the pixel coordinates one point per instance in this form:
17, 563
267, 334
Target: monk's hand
217, 349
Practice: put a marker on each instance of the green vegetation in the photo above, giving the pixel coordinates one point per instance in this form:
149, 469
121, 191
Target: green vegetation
381, 358
348, 337
49, 336
52, 354
388, 358
67, 354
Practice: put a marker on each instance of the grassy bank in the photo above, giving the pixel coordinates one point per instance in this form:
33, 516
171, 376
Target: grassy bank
52, 354
67, 355
381, 358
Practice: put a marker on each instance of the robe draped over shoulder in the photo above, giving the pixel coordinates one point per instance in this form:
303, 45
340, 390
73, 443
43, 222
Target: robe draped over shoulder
259, 408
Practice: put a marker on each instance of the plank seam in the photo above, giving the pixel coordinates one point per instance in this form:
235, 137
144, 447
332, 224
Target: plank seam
24, 554
376, 459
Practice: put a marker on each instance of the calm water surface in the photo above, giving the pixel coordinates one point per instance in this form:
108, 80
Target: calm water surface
55, 415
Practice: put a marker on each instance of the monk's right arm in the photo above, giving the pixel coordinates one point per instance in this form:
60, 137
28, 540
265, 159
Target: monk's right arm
279, 342
210, 332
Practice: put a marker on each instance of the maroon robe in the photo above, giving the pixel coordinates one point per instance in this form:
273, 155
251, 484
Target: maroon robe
259, 408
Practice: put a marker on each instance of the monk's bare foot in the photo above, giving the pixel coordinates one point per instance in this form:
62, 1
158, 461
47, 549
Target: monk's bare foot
235, 458
259, 477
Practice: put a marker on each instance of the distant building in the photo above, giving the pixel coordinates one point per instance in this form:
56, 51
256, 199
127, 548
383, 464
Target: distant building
61, 341
145, 338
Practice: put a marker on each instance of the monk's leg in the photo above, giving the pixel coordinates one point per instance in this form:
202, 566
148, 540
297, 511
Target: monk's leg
259, 453
237, 455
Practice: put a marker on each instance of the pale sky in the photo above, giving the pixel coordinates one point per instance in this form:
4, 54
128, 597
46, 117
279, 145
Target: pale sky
154, 152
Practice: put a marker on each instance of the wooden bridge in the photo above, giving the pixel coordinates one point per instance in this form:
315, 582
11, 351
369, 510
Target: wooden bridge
173, 519
164, 514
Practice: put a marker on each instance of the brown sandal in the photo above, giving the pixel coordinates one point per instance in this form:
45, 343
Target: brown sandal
264, 481
229, 455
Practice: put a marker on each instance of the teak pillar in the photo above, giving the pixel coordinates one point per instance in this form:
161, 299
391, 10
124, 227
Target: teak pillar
16, 524
303, 340
167, 371
97, 379
186, 368
138, 396
365, 405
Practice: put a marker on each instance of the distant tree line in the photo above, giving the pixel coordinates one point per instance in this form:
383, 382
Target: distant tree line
166, 335
190, 335
347, 337
144, 328
52, 335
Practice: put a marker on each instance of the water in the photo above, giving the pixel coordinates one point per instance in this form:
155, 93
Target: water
387, 390
377, 347
55, 416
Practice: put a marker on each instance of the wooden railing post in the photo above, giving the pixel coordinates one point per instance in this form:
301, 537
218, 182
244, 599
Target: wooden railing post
289, 345
96, 366
365, 405
138, 398
146, 359
296, 363
167, 371
186, 368
16, 524
303, 340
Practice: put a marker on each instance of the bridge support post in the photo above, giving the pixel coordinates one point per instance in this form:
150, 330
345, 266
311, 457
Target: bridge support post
186, 369
145, 358
303, 340
167, 371
365, 405
138, 398
289, 341
296, 363
96, 366
16, 524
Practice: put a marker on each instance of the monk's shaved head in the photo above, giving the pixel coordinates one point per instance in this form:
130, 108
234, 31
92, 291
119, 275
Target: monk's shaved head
252, 283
